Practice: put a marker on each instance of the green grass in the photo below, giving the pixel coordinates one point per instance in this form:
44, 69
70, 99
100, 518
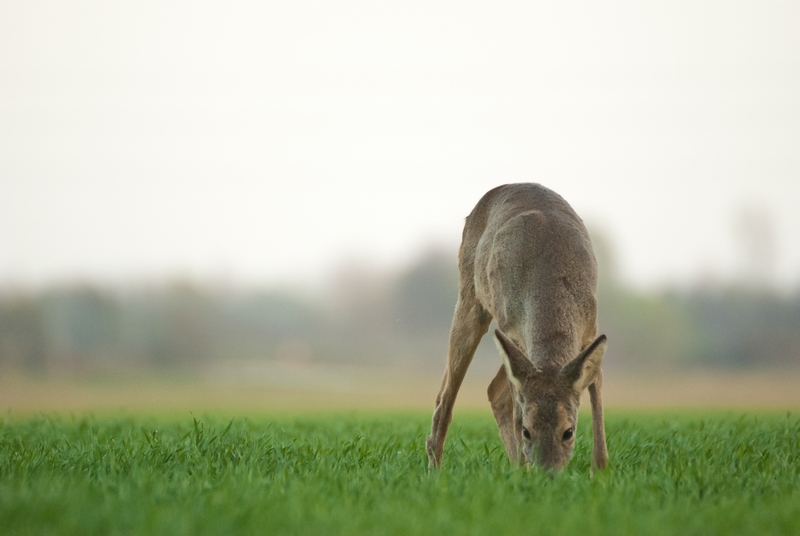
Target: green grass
712, 473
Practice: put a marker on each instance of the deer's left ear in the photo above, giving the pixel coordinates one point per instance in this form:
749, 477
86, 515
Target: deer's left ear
582, 371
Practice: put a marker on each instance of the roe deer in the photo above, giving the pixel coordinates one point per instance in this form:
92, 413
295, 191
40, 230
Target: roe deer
526, 260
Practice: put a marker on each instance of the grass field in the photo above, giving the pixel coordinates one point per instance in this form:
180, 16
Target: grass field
356, 473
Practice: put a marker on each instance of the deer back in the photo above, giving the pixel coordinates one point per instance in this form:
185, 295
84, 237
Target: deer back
528, 258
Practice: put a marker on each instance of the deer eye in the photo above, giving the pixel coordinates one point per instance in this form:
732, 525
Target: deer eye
526, 434
568, 434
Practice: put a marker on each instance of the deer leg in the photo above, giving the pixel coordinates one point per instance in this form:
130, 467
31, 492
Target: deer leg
600, 451
502, 400
470, 322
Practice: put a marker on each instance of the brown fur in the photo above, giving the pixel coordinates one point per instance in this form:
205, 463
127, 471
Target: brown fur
526, 261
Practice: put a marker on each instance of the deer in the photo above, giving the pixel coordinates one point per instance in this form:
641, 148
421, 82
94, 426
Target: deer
526, 261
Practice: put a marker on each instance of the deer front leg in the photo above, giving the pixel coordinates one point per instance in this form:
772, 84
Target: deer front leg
502, 401
600, 451
470, 322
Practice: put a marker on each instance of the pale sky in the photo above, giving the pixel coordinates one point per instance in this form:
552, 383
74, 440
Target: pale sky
268, 142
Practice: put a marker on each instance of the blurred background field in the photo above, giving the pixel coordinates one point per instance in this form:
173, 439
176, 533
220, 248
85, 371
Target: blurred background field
370, 340
22, 397
207, 206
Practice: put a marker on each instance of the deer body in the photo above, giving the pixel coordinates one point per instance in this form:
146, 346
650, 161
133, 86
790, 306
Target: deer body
526, 261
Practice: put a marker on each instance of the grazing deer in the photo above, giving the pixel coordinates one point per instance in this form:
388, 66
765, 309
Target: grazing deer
526, 260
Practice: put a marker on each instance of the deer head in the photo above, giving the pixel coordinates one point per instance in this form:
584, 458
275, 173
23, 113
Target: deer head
546, 401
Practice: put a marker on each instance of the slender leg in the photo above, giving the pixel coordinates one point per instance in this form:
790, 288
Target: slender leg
600, 451
470, 322
502, 402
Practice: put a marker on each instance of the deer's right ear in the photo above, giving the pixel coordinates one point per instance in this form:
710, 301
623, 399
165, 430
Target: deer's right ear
517, 365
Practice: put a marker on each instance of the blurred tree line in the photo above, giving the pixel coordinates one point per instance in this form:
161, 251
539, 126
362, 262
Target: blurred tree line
400, 318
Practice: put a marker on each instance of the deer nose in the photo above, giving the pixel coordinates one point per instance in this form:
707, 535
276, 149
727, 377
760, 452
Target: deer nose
533, 456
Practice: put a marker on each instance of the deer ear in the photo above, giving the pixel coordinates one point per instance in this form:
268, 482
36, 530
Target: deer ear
582, 371
517, 365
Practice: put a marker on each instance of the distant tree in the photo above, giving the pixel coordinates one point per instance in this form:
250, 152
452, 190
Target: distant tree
23, 338
755, 234
82, 325
423, 298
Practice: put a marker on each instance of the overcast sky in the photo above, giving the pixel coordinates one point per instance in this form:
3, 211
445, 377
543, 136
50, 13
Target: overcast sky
268, 142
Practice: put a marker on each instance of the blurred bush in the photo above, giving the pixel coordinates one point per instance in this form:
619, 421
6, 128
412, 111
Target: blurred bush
378, 319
